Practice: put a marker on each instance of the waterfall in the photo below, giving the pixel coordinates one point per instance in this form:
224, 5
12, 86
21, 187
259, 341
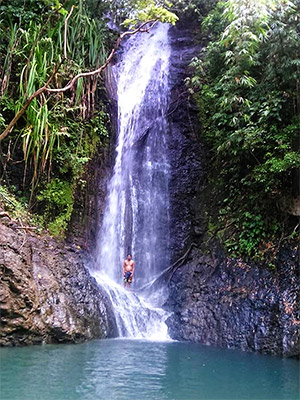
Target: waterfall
136, 217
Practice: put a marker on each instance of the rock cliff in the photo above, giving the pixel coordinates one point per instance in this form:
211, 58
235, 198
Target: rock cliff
228, 303
186, 152
47, 294
217, 300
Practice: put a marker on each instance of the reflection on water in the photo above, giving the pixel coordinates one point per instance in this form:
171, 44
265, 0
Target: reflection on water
130, 369
123, 375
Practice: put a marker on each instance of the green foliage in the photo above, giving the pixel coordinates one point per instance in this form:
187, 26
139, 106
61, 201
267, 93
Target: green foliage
80, 145
16, 205
58, 135
150, 10
86, 39
77, 145
40, 48
15, 11
57, 198
246, 85
130, 13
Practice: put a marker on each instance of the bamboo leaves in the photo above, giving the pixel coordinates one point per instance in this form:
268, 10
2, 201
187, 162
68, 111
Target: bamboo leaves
247, 85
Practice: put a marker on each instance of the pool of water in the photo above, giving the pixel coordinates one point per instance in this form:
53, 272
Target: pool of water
130, 369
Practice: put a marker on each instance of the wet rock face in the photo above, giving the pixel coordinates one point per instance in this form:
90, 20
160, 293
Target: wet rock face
185, 151
230, 304
47, 295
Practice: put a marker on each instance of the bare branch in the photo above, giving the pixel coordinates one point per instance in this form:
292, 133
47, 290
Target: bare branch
4, 214
108, 60
26, 227
166, 275
45, 88
41, 90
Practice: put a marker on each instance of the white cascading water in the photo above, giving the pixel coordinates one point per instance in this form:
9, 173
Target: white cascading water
136, 217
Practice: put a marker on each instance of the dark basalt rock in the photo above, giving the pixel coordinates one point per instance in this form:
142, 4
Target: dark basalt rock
47, 295
186, 152
227, 303
216, 300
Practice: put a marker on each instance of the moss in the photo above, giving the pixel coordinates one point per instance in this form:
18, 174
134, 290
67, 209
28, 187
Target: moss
17, 209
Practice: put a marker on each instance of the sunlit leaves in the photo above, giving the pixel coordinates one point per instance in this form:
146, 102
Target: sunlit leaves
129, 13
57, 6
150, 10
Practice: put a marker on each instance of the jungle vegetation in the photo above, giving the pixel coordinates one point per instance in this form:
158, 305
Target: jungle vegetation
245, 83
54, 133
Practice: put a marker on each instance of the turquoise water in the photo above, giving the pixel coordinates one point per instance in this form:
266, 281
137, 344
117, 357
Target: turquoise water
130, 369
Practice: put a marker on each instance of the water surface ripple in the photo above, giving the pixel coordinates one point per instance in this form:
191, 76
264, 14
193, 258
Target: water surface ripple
124, 369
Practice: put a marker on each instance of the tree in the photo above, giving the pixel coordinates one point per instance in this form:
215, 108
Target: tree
246, 84
52, 60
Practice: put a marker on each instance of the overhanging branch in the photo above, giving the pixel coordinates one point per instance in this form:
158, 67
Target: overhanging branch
108, 60
142, 28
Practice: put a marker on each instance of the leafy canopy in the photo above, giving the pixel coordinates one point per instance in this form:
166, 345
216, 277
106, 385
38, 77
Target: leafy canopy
246, 84
150, 10
135, 12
